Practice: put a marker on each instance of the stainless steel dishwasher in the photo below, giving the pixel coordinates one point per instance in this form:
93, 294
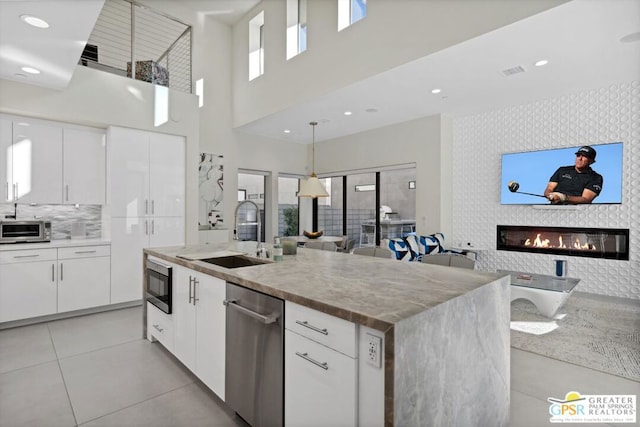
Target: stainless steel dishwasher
254, 374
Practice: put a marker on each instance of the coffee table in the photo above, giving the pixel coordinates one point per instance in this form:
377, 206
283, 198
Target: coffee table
547, 293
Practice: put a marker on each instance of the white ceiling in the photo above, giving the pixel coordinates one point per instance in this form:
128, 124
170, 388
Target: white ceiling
54, 51
580, 39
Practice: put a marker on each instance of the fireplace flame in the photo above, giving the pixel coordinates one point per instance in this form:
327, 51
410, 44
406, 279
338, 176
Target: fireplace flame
541, 242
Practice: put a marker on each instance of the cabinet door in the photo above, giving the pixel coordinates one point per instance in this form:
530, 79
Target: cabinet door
167, 174
84, 166
128, 238
27, 289
211, 321
83, 283
37, 162
166, 231
315, 395
6, 170
184, 316
128, 172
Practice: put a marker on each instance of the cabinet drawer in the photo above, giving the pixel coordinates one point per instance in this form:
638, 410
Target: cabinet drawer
84, 252
159, 326
28, 255
328, 330
320, 384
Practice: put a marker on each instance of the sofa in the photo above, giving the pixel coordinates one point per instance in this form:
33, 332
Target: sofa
413, 247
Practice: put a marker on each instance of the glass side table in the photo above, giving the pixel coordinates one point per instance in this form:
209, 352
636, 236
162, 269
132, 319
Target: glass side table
547, 293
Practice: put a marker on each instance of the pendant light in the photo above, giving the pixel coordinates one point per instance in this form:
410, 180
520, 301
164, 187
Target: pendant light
311, 186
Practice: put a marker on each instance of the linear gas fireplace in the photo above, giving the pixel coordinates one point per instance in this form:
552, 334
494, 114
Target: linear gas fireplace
609, 243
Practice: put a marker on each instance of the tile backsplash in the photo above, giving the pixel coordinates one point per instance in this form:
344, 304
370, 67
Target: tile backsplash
62, 217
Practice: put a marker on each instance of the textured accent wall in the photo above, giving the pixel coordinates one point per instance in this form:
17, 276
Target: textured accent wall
595, 116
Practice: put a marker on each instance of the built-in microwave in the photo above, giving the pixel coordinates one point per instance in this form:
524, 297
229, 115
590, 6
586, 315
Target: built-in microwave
159, 281
19, 231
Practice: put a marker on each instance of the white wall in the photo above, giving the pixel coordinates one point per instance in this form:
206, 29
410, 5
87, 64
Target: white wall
412, 30
596, 116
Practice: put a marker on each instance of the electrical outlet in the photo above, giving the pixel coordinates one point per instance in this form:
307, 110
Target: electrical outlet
374, 350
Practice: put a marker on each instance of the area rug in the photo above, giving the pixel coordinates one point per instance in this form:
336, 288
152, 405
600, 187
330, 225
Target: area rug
592, 331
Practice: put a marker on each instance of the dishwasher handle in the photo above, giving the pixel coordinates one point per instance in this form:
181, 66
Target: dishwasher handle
264, 318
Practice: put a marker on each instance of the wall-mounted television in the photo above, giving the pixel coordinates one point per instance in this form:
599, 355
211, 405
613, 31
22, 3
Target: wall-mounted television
531, 170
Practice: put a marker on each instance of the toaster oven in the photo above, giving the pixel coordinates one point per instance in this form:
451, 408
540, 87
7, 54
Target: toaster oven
18, 231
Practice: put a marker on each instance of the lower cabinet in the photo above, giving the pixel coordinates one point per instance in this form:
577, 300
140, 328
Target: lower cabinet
40, 282
199, 321
320, 384
159, 326
320, 369
28, 284
83, 277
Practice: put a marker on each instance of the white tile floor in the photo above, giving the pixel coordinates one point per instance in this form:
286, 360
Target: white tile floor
95, 370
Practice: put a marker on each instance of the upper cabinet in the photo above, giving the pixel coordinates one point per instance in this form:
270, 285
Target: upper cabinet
50, 162
84, 166
148, 171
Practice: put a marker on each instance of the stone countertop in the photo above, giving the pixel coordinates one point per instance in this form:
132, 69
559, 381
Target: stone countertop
62, 243
370, 291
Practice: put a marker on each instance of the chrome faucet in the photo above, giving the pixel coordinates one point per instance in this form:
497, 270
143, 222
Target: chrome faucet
235, 223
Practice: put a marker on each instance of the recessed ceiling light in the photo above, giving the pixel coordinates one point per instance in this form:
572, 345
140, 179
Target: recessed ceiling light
348, 113
34, 21
371, 110
287, 131
436, 90
30, 70
541, 63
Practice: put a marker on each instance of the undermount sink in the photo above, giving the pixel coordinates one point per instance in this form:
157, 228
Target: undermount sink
235, 261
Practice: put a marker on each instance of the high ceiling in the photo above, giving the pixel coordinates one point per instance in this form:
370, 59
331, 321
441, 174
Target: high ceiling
588, 43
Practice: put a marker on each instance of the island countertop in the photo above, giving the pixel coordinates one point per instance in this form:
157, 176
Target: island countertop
370, 291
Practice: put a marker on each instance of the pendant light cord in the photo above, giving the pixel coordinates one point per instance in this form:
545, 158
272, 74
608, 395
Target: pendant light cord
313, 148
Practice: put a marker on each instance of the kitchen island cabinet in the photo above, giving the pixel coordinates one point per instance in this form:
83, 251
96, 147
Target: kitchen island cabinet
199, 325
444, 332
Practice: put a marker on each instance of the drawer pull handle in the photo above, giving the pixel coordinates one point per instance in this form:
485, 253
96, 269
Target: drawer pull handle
26, 256
158, 328
315, 362
313, 328
85, 252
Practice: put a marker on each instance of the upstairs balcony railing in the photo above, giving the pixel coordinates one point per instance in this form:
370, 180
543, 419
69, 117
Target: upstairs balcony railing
129, 33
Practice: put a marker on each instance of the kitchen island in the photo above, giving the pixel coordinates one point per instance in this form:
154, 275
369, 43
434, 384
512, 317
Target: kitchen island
446, 330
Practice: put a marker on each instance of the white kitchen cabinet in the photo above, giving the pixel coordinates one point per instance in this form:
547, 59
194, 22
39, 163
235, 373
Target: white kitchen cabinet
84, 166
199, 325
146, 200
6, 173
147, 173
321, 369
128, 237
320, 384
39, 282
160, 326
28, 285
35, 162
83, 277
166, 175
51, 162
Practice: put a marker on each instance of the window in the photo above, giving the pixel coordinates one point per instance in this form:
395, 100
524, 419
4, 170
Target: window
296, 27
252, 185
350, 11
256, 46
288, 215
